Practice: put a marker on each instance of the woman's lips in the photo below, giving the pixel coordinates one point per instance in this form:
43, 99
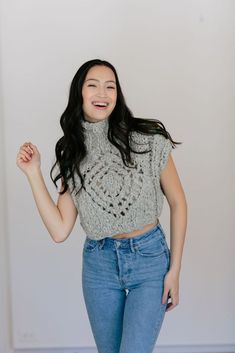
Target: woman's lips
100, 108
100, 105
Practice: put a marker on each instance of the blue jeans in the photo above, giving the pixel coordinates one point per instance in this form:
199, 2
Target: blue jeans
122, 282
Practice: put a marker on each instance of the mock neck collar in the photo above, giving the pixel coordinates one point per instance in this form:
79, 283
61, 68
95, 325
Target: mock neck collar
99, 126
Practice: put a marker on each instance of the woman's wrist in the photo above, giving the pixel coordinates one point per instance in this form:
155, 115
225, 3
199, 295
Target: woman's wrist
175, 270
33, 172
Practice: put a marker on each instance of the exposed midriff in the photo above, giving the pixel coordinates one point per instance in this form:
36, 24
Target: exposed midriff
135, 232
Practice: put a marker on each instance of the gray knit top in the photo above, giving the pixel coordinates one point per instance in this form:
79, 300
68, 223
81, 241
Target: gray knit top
117, 199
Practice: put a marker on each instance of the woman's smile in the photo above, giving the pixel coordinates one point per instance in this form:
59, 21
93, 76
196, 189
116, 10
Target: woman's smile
99, 93
100, 105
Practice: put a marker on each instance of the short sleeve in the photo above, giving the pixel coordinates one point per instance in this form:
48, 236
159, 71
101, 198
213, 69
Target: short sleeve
161, 149
166, 149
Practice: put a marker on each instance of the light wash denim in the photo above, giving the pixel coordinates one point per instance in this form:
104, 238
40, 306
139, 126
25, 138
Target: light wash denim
123, 284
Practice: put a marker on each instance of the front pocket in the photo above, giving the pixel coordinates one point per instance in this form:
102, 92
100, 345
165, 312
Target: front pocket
90, 245
152, 248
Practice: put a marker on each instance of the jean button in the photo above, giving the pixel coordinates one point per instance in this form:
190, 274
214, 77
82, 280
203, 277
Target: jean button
118, 243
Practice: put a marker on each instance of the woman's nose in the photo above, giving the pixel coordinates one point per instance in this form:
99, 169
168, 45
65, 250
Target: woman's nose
102, 91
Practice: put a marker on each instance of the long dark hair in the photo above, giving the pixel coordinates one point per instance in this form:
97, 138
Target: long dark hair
70, 149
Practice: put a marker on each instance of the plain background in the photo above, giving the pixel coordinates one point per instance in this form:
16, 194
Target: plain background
175, 61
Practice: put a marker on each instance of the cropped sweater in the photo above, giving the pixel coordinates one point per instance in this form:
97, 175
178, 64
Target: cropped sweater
117, 199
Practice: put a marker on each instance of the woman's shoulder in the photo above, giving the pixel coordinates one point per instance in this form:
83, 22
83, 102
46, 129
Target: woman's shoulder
139, 137
156, 140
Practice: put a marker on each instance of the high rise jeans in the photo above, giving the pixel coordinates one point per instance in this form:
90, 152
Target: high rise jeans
123, 284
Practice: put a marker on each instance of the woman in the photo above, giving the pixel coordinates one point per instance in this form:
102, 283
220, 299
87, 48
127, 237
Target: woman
114, 171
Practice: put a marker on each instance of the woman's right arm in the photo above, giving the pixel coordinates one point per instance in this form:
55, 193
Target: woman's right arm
59, 219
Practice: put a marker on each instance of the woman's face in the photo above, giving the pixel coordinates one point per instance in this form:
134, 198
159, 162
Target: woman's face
99, 93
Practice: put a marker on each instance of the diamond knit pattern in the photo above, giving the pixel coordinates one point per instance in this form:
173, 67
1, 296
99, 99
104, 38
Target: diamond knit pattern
117, 199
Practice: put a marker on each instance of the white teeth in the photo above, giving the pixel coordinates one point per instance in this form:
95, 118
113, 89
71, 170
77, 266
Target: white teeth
103, 104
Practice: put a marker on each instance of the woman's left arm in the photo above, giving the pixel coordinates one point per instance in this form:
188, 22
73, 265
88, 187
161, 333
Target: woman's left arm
173, 190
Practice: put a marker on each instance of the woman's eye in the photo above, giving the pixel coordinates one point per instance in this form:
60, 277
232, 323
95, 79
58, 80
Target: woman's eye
111, 87
91, 85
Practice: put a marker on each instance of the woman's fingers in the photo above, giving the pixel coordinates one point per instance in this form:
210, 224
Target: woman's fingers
174, 302
165, 295
29, 149
23, 157
28, 157
171, 289
26, 151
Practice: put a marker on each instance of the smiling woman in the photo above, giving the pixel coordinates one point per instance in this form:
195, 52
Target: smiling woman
99, 93
115, 170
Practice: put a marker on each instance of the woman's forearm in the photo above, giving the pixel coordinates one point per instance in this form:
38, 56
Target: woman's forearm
48, 210
178, 224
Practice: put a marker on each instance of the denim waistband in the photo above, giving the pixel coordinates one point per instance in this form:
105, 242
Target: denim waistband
138, 239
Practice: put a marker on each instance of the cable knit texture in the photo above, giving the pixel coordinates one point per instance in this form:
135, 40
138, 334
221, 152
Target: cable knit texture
118, 199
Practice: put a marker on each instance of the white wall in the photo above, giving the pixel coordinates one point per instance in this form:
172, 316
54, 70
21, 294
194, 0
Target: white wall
175, 61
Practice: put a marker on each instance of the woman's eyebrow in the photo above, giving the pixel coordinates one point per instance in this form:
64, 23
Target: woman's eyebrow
94, 79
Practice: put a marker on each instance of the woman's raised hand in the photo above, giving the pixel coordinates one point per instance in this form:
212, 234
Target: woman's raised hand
28, 158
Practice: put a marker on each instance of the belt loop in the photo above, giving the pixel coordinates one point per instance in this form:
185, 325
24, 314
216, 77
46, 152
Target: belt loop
101, 243
131, 245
